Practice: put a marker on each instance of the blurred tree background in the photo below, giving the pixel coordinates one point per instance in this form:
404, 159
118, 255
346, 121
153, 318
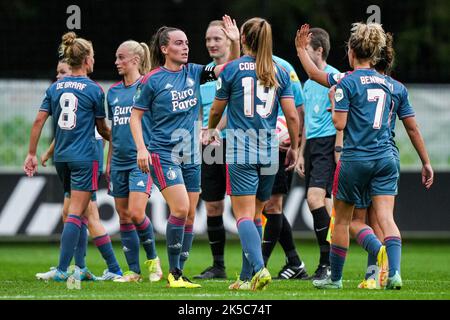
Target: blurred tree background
31, 30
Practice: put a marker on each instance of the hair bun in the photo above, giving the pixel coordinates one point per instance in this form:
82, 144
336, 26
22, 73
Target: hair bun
69, 38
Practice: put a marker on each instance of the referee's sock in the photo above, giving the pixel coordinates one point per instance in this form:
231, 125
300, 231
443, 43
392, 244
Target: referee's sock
287, 243
216, 237
321, 224
271, 234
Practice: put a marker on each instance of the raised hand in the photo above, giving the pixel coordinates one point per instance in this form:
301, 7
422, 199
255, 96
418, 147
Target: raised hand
303, 37
231, 30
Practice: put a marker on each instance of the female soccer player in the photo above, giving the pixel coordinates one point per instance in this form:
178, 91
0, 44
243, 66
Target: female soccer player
369, 236
129, 186
171, 93
77, 104
367, 163
252, 87
90, 220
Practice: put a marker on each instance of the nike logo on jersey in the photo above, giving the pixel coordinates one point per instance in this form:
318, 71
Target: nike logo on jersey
125, 249
168, 86
321, 229
141, 184
115, 100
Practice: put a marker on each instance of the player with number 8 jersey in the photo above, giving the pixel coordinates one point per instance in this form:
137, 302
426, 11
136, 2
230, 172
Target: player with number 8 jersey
77, 105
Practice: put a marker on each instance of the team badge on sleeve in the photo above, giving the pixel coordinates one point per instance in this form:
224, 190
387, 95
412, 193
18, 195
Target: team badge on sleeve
219, 84
338, 76
339, 95
294, 77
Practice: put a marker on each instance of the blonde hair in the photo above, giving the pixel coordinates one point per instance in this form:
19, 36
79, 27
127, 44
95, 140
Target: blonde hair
216, 23
142, 51
74, 50
367, 41
258, 39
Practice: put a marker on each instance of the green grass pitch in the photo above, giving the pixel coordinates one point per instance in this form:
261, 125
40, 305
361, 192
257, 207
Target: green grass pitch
425, 271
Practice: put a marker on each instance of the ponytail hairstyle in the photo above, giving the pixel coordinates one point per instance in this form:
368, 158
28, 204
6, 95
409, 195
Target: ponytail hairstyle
257, 33
159, 39
387, 56
367, 41
142, 51
74, 50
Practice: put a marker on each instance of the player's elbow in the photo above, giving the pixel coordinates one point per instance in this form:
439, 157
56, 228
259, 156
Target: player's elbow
339, 124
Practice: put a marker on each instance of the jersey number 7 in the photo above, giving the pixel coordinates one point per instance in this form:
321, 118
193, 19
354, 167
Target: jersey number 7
264, 94
380, 96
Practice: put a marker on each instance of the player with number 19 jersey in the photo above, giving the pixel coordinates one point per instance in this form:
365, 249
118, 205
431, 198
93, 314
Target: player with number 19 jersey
75, 102
367, 163
250, 107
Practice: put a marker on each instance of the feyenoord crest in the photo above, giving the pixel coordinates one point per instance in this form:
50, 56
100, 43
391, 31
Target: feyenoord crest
171, 174
137, 94
190, 82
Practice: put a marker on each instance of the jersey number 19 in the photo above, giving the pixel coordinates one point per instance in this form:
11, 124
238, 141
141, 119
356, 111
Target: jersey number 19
68, 118
266, 97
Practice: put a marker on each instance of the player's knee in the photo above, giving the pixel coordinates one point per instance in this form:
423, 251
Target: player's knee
180, 210
124, 214
272, 207
214, 209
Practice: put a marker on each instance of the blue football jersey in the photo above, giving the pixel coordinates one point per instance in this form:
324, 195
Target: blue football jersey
173, 100
120, 103
400, 107
74, 102
251, 108
366, 96
100, 146
207, 93
295, 83
318, 120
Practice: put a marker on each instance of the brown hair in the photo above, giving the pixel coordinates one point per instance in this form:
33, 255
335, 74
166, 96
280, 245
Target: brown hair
258, 39
367, 41
320, 39
387, 55
74, 50
142, 51
160, 38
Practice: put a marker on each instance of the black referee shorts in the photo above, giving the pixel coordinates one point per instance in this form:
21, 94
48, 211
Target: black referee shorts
319, 163
213, 177
283, 178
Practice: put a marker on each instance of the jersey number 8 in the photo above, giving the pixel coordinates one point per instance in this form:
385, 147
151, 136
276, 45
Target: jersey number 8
69, 103
266, 95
